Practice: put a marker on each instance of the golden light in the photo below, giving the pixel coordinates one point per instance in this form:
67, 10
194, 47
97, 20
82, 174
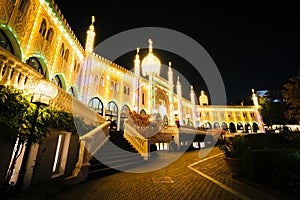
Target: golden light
150, 64
42, 91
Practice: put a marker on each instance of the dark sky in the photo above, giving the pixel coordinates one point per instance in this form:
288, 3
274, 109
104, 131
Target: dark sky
254, 44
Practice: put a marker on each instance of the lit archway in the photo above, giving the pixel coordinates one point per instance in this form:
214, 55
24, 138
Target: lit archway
216, 125
224, 126
248, 128
232, 127
111, 111
143, 112
124, 115
38, 65
9, 43
59, 80
96, 104
240, 127
255, 127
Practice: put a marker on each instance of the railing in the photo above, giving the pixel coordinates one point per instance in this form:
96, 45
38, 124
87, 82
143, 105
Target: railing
187, 129
13, 72
173, 130
138, 142
97, 137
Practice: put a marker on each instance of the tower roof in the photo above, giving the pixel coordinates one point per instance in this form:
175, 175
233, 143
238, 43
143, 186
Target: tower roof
150, 64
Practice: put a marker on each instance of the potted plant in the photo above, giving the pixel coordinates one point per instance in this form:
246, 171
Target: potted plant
232, 147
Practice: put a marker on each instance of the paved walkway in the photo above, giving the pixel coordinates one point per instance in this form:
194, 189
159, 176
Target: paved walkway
189, 177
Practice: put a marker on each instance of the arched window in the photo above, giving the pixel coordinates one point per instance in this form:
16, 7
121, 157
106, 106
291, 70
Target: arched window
24, 6
112, 85
36, 65
5, 42
255, 127
143, 112
224, 126
56, 80
232, 127
101, 81
96, 104
50, 35
66, 56
62, 50
78, 68
112, 110
43, 28
96, 79
216, 125
116, 87
240, 126
72, 92
75, 65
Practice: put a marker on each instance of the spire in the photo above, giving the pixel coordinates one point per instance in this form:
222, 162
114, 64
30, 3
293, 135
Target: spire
254, 99
192, 94
150, 46
203, 100
170, 74
178, 87
90, 39
137, 57
137, 63
150, 64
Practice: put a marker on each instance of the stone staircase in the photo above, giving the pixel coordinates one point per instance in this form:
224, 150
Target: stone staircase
115, 155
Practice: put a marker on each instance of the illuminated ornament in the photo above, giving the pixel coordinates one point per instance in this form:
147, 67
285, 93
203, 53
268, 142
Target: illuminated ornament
150, 64
42, 91
90, 39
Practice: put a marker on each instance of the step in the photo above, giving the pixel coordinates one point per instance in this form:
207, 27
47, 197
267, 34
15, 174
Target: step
106, 171
116, 155
117, 166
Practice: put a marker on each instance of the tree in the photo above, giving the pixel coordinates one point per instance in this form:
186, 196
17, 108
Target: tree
291, 94
17, 113
272, 107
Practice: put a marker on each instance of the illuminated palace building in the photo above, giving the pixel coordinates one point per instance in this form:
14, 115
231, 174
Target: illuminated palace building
37, 41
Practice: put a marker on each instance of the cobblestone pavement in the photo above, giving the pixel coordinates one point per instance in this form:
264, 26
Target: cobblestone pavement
189, 177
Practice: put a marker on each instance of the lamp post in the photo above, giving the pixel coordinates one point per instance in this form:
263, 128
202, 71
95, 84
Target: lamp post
41, 91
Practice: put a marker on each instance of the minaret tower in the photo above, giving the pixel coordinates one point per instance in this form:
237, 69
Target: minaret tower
179, 104
254, 99
171, 104
193, 100
151, 66
137, 72
90, 39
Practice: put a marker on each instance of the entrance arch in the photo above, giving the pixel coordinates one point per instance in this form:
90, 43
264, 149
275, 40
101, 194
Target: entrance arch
9, 43
111, 111
224, 126
255, 127
232, 127
143, 112
216, 125
124, 115
166, 120
96, 104
38, 65
240, 127
248, 128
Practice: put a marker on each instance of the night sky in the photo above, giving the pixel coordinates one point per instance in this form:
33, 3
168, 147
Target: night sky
254, 45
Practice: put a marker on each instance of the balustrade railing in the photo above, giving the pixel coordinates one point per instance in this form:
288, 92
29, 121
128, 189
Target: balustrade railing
13, 72
140, 143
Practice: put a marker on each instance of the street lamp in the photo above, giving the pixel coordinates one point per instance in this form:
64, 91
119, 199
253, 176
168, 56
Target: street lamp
41, 91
